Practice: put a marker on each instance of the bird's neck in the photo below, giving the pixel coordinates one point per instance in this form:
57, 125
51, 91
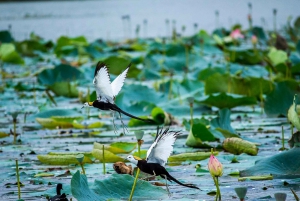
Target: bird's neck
58, 191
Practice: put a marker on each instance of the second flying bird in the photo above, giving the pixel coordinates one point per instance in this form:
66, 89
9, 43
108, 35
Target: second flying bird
107, 91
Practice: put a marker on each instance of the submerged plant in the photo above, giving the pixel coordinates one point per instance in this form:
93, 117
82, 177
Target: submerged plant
216, 170
18, 181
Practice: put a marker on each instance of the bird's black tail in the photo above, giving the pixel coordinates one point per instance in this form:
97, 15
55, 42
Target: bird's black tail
170, 178
116, 108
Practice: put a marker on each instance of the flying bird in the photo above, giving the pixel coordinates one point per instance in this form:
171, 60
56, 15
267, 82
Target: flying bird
107, 91
157, 156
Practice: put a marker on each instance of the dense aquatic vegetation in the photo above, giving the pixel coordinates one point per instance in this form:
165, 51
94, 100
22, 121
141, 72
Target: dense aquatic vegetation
231, 90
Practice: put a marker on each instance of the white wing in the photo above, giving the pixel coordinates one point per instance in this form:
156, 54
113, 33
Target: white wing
102, 83
162, 147
118, 83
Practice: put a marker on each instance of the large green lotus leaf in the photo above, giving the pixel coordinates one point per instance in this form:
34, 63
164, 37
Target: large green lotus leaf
158, 115
245, 71
282, 164
223, 122
109, 156
61, 73
27, 47
66, 45
145, 93
259, 33
244, 56
277, 56
148, 74
204, 74
62, 159
224, 100
293, 115
250, 86
117, 186
117, 147
200, 131
139, 108
196, 156
8, 54
278, 101
116, 65
5, 37
66, 89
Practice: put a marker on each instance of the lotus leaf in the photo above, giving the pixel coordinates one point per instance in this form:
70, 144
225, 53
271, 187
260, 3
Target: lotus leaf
282, 164
196, 156
117, 186
62, 159
109, 156
237, 146
117, 147
225, 100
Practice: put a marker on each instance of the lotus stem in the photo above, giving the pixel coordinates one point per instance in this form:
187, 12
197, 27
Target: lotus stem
282, 138
139, 149
192, 114
170, 87
82, 168
15, 130
18, 180
103, 159
25, 116
88, 100
134, 184
186, 55
218, 195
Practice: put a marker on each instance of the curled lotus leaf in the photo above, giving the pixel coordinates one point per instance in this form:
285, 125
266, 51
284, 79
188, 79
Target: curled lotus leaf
236, 145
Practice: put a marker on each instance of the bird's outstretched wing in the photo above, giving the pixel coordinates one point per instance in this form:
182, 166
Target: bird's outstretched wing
102, 83
118, 83
162, 147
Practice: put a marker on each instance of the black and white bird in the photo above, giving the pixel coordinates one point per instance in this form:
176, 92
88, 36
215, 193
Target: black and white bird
59, 196
107, 91
157, 156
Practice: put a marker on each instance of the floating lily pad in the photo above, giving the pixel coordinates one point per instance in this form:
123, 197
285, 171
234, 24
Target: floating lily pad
282, 164
62, 159
117, 186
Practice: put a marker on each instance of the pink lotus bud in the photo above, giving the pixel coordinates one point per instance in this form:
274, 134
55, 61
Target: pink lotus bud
236, 34
254, 39
215, 167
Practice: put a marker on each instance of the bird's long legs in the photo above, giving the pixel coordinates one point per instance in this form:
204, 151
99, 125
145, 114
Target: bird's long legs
169, 193
113, 121
124, 127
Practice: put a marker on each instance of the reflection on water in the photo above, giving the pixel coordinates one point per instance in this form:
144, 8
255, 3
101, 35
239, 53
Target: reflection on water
117, 19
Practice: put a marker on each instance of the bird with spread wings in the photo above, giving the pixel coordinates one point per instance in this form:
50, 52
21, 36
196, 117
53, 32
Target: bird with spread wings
107, 91
157, 156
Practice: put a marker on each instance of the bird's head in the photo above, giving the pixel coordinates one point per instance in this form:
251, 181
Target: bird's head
87, 104
59, 186
133, 159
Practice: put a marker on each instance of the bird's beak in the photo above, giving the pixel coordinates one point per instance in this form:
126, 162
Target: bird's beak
82, 107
